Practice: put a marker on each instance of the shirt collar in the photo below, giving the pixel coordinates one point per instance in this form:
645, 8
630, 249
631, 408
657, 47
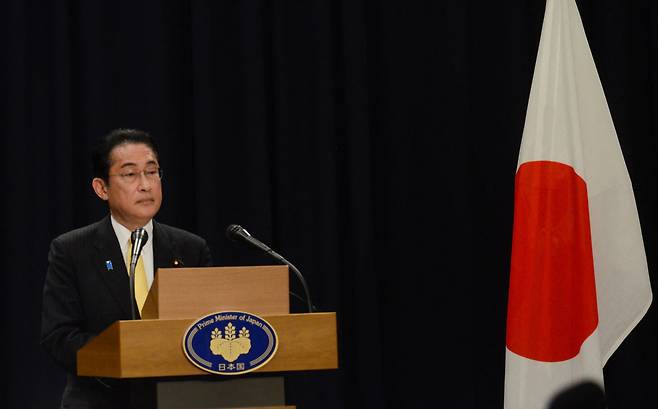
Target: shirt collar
123, 234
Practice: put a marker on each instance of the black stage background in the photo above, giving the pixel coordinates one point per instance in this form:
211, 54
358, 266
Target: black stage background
373, 144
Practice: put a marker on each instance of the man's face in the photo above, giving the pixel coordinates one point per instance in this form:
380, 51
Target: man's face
132, 202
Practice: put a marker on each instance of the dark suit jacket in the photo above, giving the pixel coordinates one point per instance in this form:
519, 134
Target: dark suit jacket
82, 297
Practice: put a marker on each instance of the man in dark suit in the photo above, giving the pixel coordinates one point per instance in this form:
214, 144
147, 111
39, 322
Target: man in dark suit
87, 283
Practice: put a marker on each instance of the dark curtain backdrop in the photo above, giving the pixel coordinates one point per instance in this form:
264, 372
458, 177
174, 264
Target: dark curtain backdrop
373, 144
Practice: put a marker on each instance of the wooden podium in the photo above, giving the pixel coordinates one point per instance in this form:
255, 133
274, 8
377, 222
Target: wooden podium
152, 347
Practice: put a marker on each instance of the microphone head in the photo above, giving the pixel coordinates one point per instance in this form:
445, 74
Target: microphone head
235, 232
139, 235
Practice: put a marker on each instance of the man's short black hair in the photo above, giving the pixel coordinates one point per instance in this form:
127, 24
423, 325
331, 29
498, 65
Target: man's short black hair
100, 157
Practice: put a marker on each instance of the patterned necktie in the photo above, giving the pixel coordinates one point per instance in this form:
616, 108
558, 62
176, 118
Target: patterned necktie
141, 285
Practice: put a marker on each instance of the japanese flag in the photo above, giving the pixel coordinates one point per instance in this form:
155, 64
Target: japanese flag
579, 281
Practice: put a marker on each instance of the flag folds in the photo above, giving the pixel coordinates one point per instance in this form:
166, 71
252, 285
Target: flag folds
579, 281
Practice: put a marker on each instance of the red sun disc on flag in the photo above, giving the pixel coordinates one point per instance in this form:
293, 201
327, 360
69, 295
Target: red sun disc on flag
552, 297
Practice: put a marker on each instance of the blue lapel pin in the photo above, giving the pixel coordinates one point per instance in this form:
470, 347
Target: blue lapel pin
108, 265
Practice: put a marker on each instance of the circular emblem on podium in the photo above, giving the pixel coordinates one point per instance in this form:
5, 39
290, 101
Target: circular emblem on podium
230, 342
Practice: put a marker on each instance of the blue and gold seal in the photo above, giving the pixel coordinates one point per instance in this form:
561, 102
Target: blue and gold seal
230, 342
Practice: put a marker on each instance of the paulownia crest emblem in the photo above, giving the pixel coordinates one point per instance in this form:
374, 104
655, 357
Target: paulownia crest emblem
229, 346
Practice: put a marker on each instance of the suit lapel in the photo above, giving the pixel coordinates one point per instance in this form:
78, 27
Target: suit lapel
108, 249
116, 276
163, 247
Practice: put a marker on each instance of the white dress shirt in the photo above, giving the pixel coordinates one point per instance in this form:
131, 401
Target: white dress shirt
123, 236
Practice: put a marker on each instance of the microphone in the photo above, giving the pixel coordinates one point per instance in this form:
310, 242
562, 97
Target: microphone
235, 232
139, 237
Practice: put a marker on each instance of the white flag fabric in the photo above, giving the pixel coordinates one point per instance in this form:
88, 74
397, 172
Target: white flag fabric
579, 281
